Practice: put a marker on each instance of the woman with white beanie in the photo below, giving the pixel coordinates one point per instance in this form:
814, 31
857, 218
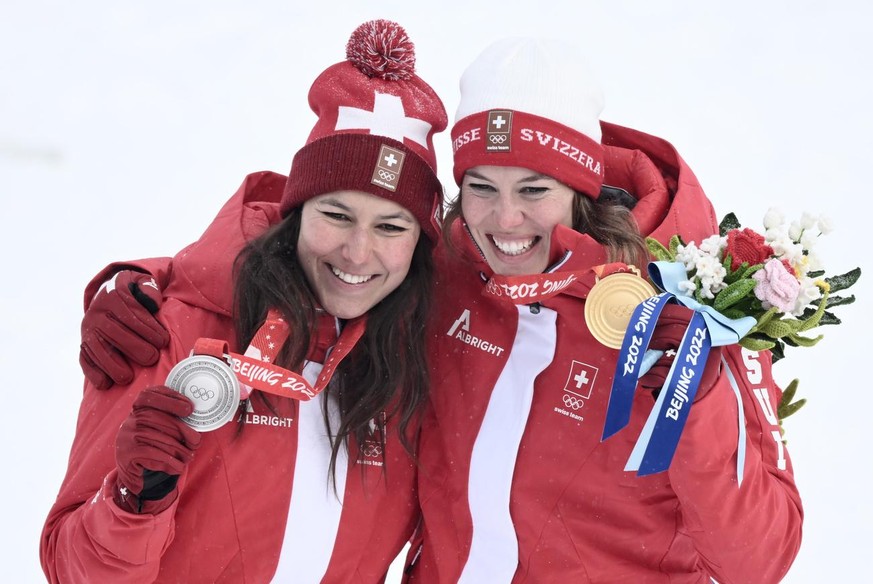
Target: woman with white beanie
515, 483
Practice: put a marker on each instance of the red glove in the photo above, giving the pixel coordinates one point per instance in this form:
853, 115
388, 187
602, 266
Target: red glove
152, 448
118, 326
667, 337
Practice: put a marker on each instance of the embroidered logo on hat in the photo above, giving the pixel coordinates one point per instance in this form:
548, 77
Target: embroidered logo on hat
498, 131
386, 174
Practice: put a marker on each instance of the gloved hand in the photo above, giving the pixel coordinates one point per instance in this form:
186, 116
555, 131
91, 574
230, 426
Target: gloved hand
667, 337
152, 448
118, 326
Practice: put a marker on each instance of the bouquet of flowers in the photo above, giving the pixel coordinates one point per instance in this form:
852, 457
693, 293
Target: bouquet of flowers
777, 278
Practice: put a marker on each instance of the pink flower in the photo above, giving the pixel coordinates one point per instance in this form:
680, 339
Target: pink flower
776, 286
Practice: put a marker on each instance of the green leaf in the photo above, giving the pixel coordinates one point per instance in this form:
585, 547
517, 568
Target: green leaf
658, 251
778, 351
734, 313
749, 270
843, 281
731, 276
790, 409
789, 392
729, 222
816, 316
840, 301
764, 319
827, 317
675, 242
733, 293
801, 341
778, 328
816, 274
787, 406
756, 344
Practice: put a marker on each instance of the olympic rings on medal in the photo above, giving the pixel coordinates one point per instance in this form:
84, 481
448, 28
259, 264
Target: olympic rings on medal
385, 175
202, 392
497, 138
573, 402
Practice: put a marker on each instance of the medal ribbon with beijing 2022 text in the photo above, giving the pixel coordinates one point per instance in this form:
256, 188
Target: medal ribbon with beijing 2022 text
261, 374
657, 443
534, 288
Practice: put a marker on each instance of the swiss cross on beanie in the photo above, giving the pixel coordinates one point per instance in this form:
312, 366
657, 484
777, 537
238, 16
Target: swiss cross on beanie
535, 104
375, 128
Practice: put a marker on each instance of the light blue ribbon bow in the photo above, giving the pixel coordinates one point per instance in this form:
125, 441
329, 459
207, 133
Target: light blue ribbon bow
722, 330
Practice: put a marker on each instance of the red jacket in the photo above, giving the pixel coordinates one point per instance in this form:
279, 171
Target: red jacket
515, 484
232, 512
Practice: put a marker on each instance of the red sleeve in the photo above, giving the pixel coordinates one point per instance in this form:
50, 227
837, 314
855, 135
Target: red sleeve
159, 268
749, 532
86, 537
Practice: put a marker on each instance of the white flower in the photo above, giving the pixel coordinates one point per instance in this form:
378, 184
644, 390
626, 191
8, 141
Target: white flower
801, 267
787, 249
808, 294
808, 239
795, 230
808, 220
713, 245
773, 218
687, 287
710, 274
688, 255
813, 262
776, 233
825, 225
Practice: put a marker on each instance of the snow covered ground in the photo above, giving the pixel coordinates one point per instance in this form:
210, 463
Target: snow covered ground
124, 127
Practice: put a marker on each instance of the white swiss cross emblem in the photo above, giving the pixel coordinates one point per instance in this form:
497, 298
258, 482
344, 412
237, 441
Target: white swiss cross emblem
581, 379
390, 160
387, 119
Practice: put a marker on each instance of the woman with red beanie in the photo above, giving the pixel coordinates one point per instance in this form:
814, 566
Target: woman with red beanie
311, 478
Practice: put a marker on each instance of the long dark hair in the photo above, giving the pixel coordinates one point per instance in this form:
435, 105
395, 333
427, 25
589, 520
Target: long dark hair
605, 220
385, 372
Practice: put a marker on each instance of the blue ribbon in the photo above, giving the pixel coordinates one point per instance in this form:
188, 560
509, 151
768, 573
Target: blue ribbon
631, 362
657, 443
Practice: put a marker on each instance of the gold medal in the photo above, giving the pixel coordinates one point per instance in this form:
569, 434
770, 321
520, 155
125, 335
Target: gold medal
611, 303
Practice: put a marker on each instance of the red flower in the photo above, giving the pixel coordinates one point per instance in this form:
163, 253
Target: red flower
747, 246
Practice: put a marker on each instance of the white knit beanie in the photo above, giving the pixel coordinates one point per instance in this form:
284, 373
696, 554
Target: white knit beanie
533, 103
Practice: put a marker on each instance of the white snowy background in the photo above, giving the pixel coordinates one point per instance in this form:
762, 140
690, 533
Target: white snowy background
124, 127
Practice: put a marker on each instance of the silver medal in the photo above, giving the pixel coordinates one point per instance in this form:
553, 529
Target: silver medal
212, 387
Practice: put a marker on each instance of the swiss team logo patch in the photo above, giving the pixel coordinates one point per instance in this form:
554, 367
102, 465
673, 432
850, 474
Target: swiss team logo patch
579, 384
388, 168
498, 131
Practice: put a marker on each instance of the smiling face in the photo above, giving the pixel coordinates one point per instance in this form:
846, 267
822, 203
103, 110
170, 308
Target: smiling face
511, 213
355, 249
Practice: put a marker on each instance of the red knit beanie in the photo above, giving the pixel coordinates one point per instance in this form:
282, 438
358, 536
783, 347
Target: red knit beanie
376, 121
